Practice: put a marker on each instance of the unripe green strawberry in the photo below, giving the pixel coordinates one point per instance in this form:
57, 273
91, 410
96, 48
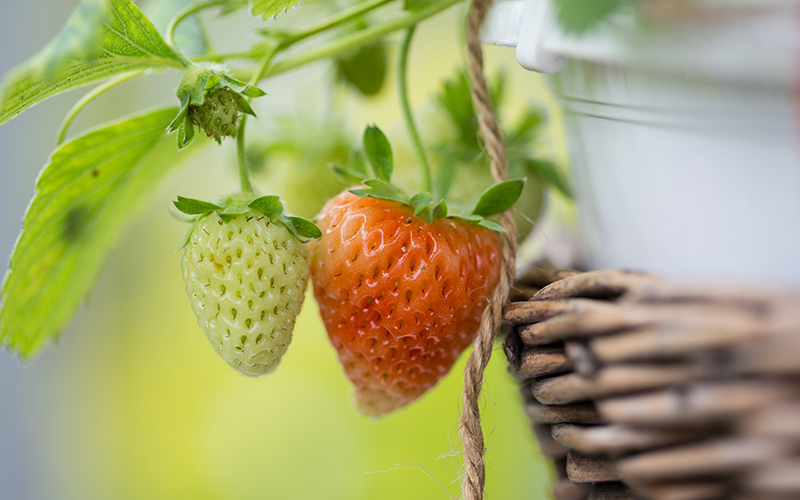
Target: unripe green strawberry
246, 277
211, 100
219, 114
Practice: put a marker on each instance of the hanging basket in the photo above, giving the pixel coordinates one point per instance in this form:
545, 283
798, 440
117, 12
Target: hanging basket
644, 388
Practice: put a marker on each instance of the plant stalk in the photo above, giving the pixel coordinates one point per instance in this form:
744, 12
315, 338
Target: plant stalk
89, 97
241, 157
402, 83
359, 39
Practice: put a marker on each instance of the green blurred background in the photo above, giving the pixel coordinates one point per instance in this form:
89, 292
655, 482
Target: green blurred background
132, 403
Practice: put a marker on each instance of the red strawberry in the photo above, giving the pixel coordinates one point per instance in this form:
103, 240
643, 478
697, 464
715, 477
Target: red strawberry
400, 298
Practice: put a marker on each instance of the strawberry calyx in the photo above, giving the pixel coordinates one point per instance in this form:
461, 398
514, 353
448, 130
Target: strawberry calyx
212, 101
495, 200
230, 206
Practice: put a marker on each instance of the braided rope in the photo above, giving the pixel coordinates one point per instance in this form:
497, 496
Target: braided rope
474, 479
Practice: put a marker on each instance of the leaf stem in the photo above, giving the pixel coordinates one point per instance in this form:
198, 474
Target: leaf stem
402, 83
89, 97
188, 11
340, 18
358, 39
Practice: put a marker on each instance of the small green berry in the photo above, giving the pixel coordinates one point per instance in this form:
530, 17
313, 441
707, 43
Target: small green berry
219, 114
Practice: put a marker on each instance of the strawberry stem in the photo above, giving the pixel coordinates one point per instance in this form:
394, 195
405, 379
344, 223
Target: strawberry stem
407, 116
241, 157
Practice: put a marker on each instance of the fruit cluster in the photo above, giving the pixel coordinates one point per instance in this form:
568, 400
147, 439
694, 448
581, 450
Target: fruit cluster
401, 285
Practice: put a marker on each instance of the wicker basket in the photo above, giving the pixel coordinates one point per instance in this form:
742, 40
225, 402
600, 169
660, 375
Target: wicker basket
640, 387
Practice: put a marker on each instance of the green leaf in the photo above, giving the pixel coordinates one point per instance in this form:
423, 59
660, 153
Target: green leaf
190, 206
549, 174
302, 229
365, 69
86, 193
270, 8
189, 233
578, 16
190, 35
127, 42
420, 201
499, 198
271, 206
381, 190
379, 152
78, 39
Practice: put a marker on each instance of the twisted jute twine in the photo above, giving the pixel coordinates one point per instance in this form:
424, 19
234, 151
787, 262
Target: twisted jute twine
474, 478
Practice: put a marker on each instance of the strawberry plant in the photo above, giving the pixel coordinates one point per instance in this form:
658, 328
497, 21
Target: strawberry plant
418, 268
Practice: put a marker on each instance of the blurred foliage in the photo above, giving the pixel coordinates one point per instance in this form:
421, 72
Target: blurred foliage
582, 15
364, 69
293, 159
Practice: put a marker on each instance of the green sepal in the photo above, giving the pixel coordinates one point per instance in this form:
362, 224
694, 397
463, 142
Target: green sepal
242, 88
499, 198
485, 223
379, 152
381, 190
190, 232
439, 211
490, 225
357, 163
246, 108
302, 229
346, 174
420, 201
271, 206
213, 81
235, 205
179, 118
190, 206
186, 133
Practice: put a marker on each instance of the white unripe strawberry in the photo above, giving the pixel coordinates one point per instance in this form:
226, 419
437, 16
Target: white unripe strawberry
246, 278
